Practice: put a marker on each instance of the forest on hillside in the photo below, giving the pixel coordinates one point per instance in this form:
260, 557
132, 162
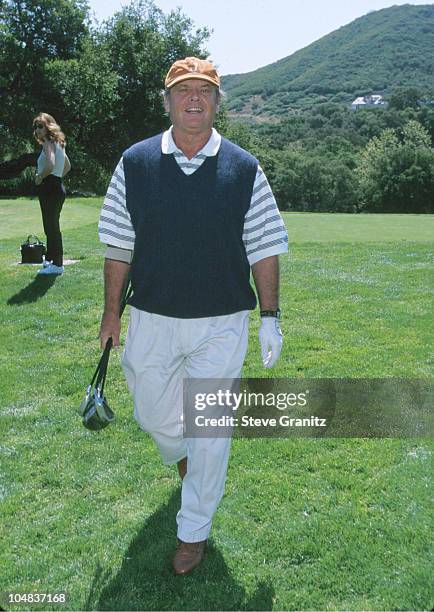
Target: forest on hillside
103, 83
374, 54
338, 160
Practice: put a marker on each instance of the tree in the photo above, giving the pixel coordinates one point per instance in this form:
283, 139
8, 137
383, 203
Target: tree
142, 43
287, 185
85, 92
344, 191
405, 97
246, 138
396, 171
102, 84
31, 32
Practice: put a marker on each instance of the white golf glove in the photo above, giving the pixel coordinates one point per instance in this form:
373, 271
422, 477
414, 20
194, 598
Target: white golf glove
270, 339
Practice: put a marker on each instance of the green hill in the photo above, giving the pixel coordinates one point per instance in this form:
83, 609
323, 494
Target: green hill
386, 49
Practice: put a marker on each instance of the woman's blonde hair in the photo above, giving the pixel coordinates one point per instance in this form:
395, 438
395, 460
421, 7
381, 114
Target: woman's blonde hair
54, 132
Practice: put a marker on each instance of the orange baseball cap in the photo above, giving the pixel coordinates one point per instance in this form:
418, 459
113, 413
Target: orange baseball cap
191, 68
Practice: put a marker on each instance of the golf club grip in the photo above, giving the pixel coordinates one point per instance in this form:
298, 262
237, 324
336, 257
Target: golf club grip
100, 382
127, 294
102, 363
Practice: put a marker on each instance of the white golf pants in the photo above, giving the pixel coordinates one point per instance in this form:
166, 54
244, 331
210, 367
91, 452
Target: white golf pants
159, 353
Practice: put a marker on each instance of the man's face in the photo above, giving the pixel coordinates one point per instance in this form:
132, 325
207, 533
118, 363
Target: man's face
192, 105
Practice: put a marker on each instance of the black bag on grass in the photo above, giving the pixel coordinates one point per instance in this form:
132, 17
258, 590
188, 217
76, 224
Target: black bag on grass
32, 250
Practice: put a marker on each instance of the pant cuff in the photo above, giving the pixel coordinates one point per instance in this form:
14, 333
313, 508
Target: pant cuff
194, 536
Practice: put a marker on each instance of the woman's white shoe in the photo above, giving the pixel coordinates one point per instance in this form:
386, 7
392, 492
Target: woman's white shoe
51, 269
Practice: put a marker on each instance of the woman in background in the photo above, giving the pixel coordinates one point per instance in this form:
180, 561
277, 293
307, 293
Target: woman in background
53, 164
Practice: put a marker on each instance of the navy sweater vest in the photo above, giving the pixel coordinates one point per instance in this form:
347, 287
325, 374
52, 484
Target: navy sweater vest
189, 257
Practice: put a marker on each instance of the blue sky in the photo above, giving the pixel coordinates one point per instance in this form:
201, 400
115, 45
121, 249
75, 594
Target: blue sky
252, 33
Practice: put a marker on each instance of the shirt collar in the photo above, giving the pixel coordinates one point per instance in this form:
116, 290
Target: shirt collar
211, 148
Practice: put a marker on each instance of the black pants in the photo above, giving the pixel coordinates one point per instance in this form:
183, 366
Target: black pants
51, 193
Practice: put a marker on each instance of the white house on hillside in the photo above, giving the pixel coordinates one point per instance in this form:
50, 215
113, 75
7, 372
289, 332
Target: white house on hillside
373, 101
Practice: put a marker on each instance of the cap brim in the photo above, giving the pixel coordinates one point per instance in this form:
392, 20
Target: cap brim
185, 77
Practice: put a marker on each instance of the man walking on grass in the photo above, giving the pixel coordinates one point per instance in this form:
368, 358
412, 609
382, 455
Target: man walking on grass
188, 214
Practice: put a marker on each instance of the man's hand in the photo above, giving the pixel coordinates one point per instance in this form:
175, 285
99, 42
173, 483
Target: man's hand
115, 277
38, 180
270, 338
110, 328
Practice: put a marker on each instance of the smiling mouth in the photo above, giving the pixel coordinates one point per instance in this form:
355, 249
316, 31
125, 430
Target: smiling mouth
194, 110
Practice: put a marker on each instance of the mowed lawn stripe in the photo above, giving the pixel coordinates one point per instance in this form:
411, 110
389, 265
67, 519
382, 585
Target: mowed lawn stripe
21, 217
344, 227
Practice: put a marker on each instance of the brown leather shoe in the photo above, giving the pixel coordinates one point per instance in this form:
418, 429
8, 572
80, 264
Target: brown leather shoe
188, 556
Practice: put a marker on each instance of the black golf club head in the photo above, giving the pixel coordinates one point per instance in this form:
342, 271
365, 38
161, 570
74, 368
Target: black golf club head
95, 411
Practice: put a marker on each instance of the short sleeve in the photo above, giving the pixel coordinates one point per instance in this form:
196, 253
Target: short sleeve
264, 232
115, 227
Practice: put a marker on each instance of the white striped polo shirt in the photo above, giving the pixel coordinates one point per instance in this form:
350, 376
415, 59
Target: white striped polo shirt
264, 232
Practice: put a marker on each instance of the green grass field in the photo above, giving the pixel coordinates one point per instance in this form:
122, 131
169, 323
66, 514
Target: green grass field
336, 524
